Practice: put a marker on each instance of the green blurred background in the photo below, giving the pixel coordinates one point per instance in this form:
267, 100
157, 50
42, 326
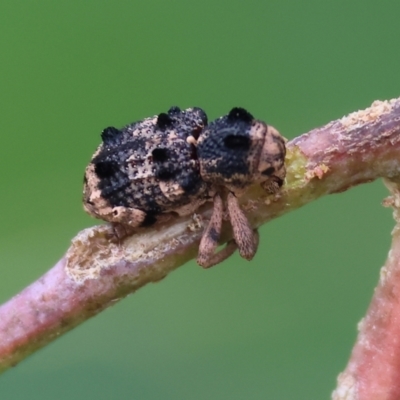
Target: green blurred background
280, 327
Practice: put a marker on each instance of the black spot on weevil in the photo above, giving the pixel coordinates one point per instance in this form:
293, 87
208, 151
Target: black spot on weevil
110, 134
105, 169
238, 113
163, 121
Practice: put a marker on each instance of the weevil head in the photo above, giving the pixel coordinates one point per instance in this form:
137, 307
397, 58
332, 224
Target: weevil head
237, 150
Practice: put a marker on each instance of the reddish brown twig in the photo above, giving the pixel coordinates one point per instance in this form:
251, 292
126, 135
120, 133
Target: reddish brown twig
373, 371
95, 273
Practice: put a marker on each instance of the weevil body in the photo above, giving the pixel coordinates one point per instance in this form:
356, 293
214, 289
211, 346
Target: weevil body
174, 162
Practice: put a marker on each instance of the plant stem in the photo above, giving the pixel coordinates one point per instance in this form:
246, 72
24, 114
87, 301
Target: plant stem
95, 273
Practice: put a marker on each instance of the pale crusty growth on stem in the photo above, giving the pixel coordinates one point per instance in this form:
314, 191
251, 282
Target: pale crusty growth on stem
95, 273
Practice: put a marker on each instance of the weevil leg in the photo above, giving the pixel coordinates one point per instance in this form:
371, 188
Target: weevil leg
210, 239
218, 257
120, 232
245, 237
135, 218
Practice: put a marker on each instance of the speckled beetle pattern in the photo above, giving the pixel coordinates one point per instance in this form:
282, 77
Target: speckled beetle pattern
174, 162
146, 169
